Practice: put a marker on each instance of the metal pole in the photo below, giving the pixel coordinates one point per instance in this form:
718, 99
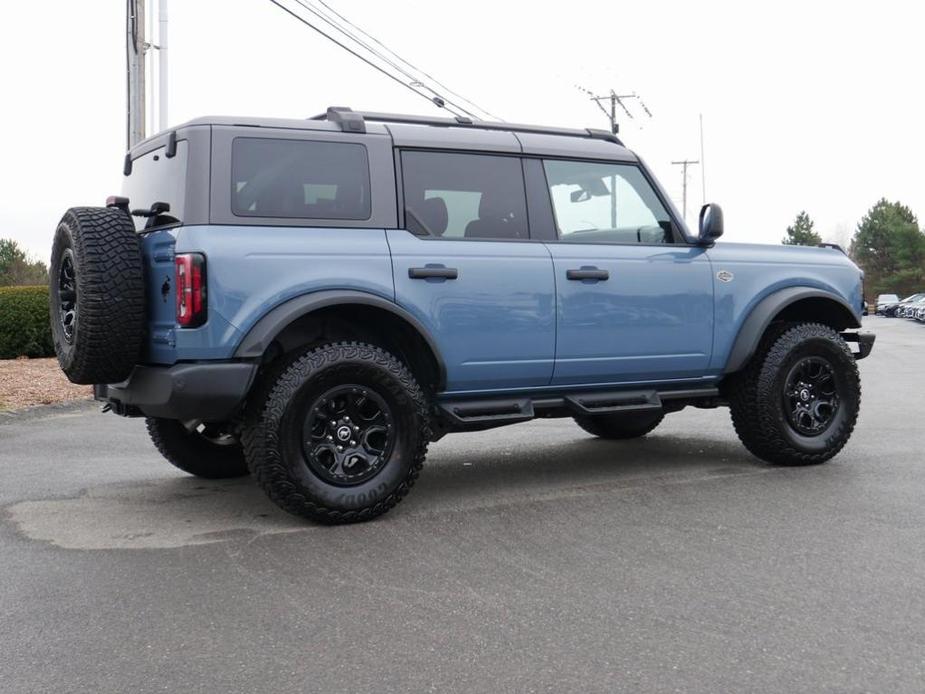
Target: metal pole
613, 178
684, 164
135, 38
162, 66
703, 167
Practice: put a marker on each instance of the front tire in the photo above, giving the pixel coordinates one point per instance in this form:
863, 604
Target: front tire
797, 401
339, 434
209, 451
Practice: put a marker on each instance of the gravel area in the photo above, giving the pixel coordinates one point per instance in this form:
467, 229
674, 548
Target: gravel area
29, 382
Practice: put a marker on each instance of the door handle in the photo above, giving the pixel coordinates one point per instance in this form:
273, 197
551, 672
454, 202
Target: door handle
587, 273
433, 272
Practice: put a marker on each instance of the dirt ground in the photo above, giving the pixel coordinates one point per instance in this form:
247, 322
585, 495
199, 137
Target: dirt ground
28, 382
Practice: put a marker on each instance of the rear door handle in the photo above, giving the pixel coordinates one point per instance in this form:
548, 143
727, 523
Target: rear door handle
433, 272
587, 273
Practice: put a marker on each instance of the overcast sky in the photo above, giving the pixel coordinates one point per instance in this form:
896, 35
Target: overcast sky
806, 105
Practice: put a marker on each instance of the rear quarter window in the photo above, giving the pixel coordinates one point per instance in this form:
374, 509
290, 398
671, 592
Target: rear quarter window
299, 179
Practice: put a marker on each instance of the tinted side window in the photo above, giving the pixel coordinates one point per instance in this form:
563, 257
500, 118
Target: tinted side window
605, 203
473, 196
297, 178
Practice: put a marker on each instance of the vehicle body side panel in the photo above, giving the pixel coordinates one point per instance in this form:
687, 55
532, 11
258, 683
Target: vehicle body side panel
652, 319
495, 324
250, 270
758, 271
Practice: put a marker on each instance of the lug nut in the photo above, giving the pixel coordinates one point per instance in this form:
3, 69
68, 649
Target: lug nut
353, 443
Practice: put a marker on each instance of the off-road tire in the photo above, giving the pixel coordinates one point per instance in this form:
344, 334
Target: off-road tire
619, 427
208, 451
273, 432
756, 396
103, 252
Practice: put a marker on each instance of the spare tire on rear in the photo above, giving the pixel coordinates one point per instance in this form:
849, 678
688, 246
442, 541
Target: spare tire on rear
97, 294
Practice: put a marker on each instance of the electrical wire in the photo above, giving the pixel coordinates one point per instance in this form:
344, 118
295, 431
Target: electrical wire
415, 84
413, 79
409, 64
354, 53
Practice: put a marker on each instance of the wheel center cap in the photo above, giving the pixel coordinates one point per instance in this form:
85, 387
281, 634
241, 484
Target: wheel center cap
343, 433
804, 395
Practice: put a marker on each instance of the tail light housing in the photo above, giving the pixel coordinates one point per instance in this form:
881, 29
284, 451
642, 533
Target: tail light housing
191, 289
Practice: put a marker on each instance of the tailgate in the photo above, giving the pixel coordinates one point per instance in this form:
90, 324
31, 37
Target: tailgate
158, 251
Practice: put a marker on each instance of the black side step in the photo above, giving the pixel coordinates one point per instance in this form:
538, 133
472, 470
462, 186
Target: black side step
484, 413
624, 401
470, 414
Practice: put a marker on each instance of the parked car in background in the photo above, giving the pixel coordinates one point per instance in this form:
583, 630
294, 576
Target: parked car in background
884, 301
920, 314
911, 309
896, 309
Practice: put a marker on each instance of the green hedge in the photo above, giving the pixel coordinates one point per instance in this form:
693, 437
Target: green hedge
24, 327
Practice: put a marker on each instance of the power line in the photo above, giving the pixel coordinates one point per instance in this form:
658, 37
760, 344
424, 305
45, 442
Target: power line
408, 63
354, 53
415, 84
414, 80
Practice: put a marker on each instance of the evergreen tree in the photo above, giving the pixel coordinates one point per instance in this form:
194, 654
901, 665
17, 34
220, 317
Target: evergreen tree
889, 246
801, 232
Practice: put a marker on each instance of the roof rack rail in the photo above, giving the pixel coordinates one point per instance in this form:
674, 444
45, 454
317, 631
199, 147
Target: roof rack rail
831, 245
355, 122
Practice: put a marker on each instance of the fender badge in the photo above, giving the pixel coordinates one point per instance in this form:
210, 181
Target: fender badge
725, 276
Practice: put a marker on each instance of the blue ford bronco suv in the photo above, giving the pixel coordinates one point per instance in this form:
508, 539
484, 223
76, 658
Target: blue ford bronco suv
314, 301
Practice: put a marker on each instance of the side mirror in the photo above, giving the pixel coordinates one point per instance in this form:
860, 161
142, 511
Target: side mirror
711, 224
580, 195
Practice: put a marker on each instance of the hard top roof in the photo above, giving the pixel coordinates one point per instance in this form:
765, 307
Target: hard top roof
440, 133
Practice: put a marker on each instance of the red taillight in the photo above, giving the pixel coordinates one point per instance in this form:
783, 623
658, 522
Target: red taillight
191, 290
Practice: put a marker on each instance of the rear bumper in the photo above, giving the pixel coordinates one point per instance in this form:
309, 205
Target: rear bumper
205, 390
865, 342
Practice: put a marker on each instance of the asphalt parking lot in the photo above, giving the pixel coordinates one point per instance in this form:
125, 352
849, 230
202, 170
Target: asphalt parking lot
531, 558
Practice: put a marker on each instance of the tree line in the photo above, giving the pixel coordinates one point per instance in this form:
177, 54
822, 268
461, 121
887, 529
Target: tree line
17, 268
887, 245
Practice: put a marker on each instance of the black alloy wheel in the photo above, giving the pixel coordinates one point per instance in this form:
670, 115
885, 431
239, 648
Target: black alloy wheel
811, 396
67, 293
347, 436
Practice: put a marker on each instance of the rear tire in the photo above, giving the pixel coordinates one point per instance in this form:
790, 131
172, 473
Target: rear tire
209, 451
338, 434
96, 295
619, 427
797, 401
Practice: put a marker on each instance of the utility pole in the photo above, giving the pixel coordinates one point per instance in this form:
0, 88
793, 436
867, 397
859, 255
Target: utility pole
135, 47
703, 166
684, 164
615, 100
162, 65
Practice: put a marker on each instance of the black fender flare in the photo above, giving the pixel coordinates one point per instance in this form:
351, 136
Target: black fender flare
763, 313
265, 330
